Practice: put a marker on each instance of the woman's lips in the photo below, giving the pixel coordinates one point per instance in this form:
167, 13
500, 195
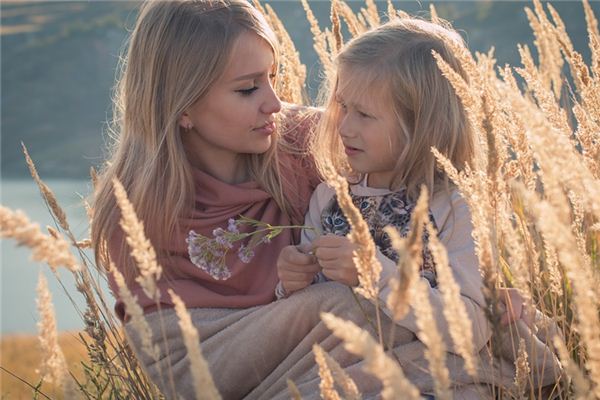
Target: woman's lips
266, 129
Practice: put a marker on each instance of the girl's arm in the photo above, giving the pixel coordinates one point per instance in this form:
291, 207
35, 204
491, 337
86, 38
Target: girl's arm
453, 220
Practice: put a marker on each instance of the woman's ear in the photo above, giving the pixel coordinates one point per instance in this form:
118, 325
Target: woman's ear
185, 122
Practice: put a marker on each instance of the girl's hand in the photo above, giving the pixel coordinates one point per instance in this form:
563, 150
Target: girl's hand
296, 269
334, 254
515, 307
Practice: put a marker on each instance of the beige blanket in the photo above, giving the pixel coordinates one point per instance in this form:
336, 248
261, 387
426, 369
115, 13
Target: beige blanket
253, 352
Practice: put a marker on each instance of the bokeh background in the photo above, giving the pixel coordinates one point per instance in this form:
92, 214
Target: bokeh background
58, 66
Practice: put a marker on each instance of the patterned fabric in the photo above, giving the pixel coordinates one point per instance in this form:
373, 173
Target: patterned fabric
392, 209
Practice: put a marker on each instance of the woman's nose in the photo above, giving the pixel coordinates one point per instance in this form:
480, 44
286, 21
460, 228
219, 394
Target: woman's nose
271, 104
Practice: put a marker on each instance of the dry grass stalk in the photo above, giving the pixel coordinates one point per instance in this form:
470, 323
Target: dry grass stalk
550, 60
410, 260
588, 135
203, 383
391, 10
54, 365
434, 15
430, 335
49, 249
551, 224
398, 301
522, 369
290, 87
365, 259
320, 41
371, 13
594, 36
327, 384
360, 342
342, 379
354, 25
141, 249
336, 27
580, 382
293, 389
459, 323
545, 98
136, 313
47, 194
556, 156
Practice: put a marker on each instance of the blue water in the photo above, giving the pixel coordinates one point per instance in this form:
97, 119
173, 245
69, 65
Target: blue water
19, 275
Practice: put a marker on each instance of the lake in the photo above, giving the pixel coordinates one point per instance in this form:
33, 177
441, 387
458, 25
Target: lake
19, 275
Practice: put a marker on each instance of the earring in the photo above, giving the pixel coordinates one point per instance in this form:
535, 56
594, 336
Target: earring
187, 128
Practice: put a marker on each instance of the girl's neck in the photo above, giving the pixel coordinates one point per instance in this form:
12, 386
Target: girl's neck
379, 181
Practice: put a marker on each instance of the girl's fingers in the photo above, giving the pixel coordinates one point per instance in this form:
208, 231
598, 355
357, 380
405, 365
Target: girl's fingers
330, 241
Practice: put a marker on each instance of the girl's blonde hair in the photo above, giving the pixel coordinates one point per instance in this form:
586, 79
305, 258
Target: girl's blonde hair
176, 51
393, 65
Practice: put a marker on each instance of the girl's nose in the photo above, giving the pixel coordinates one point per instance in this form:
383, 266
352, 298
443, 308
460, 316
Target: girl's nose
345, 128
271, 103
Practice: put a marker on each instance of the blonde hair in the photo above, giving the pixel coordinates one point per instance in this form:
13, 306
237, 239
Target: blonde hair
394, 64
177, 50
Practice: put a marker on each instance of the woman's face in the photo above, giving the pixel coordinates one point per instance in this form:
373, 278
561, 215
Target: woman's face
236, 115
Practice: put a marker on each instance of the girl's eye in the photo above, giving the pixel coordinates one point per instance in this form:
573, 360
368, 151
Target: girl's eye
247, 92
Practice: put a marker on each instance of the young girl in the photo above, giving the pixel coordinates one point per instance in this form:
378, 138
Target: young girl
389, 105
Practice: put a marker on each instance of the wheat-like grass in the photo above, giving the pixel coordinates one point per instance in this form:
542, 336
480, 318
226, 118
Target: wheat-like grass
343, 380
549, 222
459, 323
135, 313
141, 249
47, 194
365, 259
54, 365
410, 260
53, 250
522, 369
203, 383
430, 335
320, 41
293, 389
292, 73
360, 342
327, 384
580, 382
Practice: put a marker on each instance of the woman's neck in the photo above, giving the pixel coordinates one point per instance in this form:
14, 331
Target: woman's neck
231, 169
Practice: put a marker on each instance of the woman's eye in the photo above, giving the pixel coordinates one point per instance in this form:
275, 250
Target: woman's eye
247, 92
364, 115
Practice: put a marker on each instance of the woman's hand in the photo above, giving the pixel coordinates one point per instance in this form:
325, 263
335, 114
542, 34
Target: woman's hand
335, 255
296, 270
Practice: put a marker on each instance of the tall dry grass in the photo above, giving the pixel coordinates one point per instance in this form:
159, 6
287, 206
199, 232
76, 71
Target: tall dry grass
533, 193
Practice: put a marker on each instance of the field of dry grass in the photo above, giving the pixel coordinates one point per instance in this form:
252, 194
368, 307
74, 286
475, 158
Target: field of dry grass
21, 355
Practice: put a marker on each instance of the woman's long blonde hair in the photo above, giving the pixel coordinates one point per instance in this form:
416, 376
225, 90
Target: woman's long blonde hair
177, 50
394, 64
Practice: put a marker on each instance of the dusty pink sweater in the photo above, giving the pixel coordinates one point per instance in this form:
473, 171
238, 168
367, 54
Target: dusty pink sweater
250, 284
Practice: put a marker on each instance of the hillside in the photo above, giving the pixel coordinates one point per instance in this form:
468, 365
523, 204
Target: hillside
59, 62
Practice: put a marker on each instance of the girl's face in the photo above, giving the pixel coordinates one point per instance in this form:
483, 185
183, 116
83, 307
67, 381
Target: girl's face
236, 115
368, 129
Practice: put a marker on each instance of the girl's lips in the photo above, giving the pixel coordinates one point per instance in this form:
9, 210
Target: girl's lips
351, 151
266, 129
